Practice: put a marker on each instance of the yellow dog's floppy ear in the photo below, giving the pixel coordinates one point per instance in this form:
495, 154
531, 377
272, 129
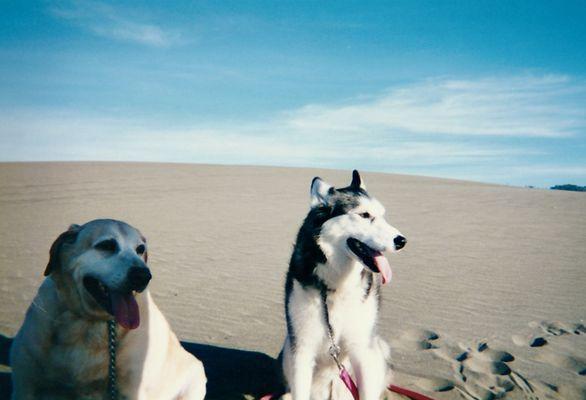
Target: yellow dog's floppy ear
68, 236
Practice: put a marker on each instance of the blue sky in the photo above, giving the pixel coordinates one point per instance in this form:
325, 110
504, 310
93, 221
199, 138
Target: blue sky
490, 91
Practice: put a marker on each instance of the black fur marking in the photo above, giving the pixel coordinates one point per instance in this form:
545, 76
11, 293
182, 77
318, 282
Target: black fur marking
356, 180
371, 287
306, 252
306, 255
288, 291
369, 279
345, 200
354, 191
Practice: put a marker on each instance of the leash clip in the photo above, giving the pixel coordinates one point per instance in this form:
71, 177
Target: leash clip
335, 353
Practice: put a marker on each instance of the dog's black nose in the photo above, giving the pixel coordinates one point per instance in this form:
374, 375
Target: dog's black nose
400, 242
138, 278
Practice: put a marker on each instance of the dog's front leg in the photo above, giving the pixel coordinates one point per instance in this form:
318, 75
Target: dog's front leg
299, 372
196, 383
23, 371
303, 364
371, 371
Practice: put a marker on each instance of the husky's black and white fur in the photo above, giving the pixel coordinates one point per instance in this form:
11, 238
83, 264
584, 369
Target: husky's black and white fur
339, 252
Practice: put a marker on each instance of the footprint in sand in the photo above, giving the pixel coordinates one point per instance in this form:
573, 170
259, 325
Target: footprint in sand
484, 373
433, 384
486, 353
557, 328
547, 329
450, 352
575, 364
579, 329
531, 341
417, 339
486, 366
537, 342
480, 371
552, 330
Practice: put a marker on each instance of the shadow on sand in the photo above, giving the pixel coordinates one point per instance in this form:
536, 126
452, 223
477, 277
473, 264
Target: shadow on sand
231, 373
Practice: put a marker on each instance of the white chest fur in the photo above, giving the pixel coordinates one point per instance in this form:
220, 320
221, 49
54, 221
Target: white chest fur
352, 316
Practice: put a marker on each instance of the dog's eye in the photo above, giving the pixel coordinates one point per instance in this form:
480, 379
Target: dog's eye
140, 249
109, 245
365, 215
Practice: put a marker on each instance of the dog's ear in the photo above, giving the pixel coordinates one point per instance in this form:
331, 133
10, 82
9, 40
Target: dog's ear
320, 192
357, 181
69, 236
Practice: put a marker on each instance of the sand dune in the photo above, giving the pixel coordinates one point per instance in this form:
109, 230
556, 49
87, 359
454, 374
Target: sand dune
487, 299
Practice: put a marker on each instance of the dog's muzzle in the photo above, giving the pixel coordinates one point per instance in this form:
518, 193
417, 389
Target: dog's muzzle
371, 258
119, 301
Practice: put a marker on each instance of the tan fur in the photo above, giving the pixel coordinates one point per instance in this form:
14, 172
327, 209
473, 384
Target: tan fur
61, 350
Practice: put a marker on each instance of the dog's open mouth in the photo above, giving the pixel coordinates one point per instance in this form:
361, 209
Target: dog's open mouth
122, 306
373, 259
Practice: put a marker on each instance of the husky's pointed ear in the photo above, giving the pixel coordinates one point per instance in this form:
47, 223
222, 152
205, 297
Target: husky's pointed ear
68, 236
357, 181
320, 192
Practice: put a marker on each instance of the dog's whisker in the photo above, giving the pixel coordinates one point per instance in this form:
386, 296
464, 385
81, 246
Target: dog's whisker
39, 307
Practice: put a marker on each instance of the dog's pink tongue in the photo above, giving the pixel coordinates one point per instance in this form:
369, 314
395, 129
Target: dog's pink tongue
383, 266
125, 310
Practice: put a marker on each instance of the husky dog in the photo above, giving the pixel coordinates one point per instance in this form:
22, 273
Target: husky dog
332, 294
98, 272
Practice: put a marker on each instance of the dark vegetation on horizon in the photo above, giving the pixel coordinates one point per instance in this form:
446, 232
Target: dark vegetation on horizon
571, 188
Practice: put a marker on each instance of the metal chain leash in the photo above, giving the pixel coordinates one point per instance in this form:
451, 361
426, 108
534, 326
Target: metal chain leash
334, 348
112, 378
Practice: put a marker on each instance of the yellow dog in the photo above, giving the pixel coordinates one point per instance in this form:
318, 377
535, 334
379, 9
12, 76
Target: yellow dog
97, 272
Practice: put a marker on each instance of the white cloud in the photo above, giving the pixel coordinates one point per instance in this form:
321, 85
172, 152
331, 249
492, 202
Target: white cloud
569, 171
518, 106
68, 136
114, 23
401, 131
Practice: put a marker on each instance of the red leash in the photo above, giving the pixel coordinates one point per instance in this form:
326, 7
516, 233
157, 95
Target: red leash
409, 393
393, 388
344, 375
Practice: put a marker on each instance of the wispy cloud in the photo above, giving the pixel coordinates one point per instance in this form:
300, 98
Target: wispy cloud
114, 23
569, 172
438, 127
542, 106
69, 136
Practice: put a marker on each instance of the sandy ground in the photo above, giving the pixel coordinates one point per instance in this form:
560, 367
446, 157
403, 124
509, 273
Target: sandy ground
488, 271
